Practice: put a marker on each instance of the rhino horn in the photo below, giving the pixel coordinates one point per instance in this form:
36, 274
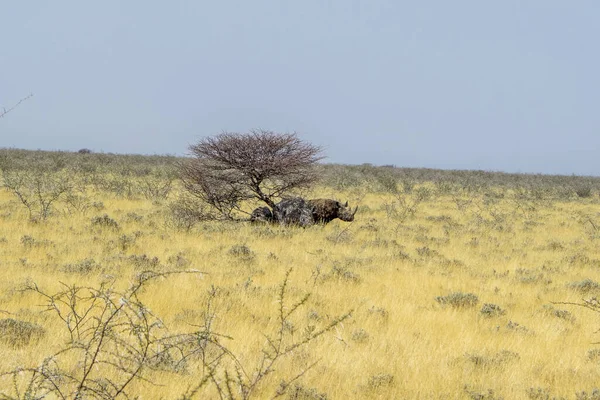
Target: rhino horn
355, 210
346, 204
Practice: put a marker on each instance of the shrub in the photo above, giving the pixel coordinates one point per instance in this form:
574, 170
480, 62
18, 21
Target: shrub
516, 327
458, 300
491, 310
28, 241
478, 395
131, 216
39, 189
380, 380
343, 273
583, 191
594, 394
156, 186
498, 359
143, 262
593, 355
584, 286
539, 394
360, 336
185, 213
105, 221
299, 392
242, 252
82, 267
98, 205
17, 333
124, 242
179, 260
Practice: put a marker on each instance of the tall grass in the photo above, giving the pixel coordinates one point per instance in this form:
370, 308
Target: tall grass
465, 292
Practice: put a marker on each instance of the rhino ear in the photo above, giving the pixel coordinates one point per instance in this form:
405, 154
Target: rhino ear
346, 204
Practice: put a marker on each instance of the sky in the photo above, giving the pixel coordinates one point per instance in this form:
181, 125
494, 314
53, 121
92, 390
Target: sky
506, 85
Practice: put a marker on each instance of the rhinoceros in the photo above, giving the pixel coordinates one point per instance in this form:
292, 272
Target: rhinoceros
326, 210
261, 214
293, 211
297, 211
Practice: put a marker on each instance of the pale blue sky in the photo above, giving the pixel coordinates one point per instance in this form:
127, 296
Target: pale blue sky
511, 85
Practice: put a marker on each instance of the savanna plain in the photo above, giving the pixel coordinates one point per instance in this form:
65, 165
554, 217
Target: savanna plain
447, 285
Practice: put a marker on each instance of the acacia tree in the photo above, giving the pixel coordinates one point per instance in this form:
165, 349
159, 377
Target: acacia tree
229, 168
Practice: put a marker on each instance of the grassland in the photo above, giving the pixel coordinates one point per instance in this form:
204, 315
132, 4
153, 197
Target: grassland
456, 281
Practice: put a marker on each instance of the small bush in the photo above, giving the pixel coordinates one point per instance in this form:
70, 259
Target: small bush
124, 242
242, 252
185, 213
516, 327
593, 355
583, 191
156, 187
340, 236
387, 182
179, 261
555, 245
498, 359
134, 217
28, 241
82, 267
478, 395
491, 310
342, 273
562, 314
301, 393
105, 221
458, 300
380, 381
426, 252
539, 394
407, 186
143, 262
360, 336
17, 333
379, 311
594, 394
584, 286
98, 205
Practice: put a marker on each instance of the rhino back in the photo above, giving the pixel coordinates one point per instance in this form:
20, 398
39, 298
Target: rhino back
294, 211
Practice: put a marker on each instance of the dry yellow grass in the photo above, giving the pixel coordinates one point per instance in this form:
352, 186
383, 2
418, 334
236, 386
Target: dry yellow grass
399, 343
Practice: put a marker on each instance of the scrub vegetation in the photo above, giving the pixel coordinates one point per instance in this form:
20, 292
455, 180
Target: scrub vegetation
447, 284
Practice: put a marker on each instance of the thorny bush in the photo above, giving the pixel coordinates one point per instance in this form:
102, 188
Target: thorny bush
117, 341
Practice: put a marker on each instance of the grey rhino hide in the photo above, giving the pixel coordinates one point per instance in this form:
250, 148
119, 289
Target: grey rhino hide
294, 211
326, 210
261, 214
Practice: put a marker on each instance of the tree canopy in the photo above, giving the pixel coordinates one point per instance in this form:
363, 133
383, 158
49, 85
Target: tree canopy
230, 168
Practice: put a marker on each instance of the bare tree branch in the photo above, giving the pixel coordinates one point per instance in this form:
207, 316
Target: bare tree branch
7, 110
